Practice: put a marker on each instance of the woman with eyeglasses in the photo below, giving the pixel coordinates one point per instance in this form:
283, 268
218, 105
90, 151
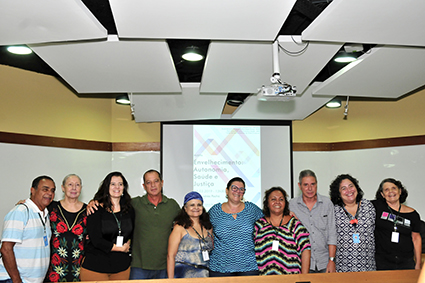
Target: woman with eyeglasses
233, 226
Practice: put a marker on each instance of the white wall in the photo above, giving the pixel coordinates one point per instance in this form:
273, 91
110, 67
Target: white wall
20, 164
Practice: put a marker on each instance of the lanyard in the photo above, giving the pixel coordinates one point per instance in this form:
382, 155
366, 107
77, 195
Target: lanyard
354, 220
280, 224
201, 238
44, 223
118, 222
396, 215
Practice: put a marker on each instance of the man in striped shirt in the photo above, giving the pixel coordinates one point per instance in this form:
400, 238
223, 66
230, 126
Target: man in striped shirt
26, 235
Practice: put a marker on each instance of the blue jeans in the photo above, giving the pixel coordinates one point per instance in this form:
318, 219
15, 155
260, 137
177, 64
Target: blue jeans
6, 281
140, 273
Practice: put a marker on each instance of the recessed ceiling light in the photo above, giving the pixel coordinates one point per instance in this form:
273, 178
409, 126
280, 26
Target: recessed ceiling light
123, 99
345, 59
334, 103
20, 50
192, 53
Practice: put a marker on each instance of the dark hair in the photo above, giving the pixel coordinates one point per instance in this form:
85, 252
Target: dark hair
335, 194
235, 179
306, 173
103, 197
152, 171
184, 220
37, 180
403, 195
266, 209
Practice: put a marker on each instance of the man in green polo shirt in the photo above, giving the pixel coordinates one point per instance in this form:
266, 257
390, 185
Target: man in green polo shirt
154, 219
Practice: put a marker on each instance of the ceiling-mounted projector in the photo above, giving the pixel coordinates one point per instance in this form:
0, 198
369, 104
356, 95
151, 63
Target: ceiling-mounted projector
278, 90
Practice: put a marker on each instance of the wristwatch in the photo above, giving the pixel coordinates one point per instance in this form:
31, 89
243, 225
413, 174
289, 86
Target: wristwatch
331, 258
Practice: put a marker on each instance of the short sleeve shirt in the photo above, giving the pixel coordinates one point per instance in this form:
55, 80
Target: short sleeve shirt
234, 239
29, 228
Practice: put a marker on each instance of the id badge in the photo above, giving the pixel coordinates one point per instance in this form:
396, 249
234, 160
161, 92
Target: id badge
356, 238
275, 245
120, 241
394, 237
46, 242
205, 255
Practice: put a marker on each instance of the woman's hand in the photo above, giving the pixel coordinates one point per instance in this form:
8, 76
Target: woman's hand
124, 248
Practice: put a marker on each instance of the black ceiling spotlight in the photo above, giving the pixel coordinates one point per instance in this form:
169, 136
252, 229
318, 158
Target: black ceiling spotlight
236, 99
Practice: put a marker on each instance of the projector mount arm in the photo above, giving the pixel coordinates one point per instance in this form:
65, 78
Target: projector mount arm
285, 88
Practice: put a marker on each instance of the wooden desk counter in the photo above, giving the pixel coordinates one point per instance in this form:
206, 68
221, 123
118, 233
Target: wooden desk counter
393, 276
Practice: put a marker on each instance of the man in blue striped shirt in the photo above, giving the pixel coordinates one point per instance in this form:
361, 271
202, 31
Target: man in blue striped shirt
25, 247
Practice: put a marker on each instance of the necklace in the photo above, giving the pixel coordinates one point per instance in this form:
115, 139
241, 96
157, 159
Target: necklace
66, 221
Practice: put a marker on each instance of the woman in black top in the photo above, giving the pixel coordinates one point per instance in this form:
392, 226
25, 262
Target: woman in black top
397, 239
110, 230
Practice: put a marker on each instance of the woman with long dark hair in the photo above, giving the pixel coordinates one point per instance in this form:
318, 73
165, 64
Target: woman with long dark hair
191, 240
110, 230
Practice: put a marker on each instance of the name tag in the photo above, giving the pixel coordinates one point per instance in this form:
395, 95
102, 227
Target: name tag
120, 241
356, 238
275, 245
46, 242
205, 255
394, 237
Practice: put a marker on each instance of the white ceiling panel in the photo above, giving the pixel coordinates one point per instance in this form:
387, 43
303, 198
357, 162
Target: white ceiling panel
41, 21
245, 66
188, 105
295, 109
374, 22
300, 62
113, 66
384, 72
236, 67
218, 19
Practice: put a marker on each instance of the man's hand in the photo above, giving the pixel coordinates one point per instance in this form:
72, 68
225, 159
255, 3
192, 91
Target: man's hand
22, 201
92, 206
331, 267
293, 215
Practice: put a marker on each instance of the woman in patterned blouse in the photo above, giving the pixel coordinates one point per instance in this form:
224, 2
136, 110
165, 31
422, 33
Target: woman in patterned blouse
282, 244
355, 224
233, 226
68, 220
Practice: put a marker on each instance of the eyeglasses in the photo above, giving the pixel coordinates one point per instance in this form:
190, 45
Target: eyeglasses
236, 189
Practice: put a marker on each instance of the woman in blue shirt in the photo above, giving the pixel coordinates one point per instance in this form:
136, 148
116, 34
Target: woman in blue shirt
233, 226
